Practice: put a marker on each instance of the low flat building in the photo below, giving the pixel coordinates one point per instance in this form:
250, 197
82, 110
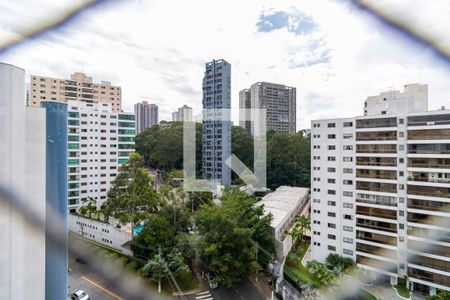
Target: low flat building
285, 203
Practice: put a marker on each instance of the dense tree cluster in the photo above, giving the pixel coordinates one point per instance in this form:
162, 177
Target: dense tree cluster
230, 235
288, 155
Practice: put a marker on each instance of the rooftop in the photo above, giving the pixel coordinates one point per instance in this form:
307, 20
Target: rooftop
282, 202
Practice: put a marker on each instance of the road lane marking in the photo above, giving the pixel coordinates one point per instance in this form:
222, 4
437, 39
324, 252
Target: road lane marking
203, 293
101, 288
203, 296
242, 298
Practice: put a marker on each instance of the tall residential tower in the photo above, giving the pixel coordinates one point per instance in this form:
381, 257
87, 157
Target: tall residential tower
146, 115
279, 101
381, 189
217, 126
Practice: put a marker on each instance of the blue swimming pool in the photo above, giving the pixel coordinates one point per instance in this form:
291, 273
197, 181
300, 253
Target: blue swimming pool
137, 229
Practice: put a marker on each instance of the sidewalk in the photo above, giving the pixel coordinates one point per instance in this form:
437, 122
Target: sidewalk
263, 288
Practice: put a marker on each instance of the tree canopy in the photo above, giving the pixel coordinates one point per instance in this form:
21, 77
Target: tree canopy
288, 155
230, 234
131, 192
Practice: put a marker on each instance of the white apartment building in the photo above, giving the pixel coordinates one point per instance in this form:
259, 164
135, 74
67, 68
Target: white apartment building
79, 87
380, 189
183, 113
147, 115
99, 141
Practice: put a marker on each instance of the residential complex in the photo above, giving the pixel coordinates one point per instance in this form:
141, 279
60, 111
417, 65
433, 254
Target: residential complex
33, 147
79, 87
216, 125
146, 115
183, 113
381, 189
278, 100
99, 141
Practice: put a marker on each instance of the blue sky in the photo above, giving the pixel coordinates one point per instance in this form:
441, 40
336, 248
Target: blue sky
334, 54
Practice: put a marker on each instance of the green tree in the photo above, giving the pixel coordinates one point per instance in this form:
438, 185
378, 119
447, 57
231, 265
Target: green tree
304, 224
131, 191
90, 206
156, 268
162, 145
441, 295
157, 232
229, 234
288, 160
242, 147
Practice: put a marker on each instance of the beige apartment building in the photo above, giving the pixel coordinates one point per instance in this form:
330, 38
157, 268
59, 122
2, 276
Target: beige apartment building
79, 87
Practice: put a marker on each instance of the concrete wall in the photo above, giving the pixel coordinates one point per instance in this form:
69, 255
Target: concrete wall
99, 232
22, 161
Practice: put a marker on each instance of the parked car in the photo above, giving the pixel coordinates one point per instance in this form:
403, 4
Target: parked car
80, 295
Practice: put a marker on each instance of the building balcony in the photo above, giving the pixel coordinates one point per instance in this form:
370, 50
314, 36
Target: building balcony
376, 123
436, 163
377, 148
376, 199
431, 220
429, 191
376, 250
376, 187
429, 149
429, 262
376, 136
431, 134
376, 225
376, 174
376, 212
376, 263
376, 161
376, 238
428, 276
428, 248
429, 120
439, 236
432, 177
428, 205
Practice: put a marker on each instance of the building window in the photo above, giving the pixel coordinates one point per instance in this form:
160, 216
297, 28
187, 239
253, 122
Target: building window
348, 124
332, 170
348, 228
331, 180
331, 237
331, 214
347, 136
348, 252
331, 125
331, 203
331, 248
331, 158
347, 194
347, 147
347, 205
331, 147
331, 136
347, 171
348, 217
347, 159
348, 240
331, 192
331, 225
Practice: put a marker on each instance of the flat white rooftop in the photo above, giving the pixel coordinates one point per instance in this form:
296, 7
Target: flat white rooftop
282, 202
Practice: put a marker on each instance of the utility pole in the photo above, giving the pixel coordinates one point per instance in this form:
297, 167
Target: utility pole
159, 281
257, 266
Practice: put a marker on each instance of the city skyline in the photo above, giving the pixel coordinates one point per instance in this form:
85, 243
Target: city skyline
279, 43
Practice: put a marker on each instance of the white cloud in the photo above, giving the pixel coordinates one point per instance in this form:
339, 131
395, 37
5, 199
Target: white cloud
156, 51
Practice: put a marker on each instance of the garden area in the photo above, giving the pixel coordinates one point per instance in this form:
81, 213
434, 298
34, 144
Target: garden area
402, 289
317, 275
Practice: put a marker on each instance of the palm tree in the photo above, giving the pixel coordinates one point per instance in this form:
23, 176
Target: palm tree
90, 204
304, 224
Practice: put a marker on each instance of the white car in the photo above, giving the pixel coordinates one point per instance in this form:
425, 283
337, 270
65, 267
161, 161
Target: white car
79, 295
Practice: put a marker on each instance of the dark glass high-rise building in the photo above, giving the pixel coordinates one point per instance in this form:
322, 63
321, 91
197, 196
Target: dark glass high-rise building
216, 129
